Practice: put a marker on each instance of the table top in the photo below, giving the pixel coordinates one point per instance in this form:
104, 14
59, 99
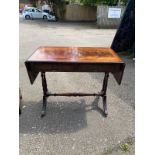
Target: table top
74, 54
74, 59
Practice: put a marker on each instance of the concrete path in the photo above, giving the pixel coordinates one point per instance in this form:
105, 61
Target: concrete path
73, 126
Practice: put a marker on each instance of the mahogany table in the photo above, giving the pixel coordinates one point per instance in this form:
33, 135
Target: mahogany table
74, 59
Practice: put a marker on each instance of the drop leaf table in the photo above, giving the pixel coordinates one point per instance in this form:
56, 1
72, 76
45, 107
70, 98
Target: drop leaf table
74, 59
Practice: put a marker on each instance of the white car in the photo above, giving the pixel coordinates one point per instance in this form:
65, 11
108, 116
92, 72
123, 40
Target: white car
32, 13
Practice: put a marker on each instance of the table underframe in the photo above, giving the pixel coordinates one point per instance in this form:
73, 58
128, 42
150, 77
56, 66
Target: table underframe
102, 93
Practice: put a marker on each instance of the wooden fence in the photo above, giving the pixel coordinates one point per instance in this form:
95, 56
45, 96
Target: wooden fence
102, 17
75, 12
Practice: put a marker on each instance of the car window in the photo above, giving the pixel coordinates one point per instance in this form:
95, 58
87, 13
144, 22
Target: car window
27, 10
38, 10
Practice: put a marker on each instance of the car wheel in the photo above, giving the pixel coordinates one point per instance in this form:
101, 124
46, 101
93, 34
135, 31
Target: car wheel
45, 17
27, 17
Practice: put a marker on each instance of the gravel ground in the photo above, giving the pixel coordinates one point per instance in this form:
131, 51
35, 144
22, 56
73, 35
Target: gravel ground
73, 126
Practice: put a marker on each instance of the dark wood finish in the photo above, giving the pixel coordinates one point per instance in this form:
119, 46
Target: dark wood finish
74, 54
75, 94
20, 100
74, 59
104, 91
45, 91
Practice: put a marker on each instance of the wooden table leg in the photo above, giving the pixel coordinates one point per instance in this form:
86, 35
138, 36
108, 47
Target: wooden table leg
46, 94
45, 90
20, 100
104, 90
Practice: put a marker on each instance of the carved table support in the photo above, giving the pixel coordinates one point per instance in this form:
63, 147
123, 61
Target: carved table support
20, 100
45, 91
104, 90
74, 59
102, 93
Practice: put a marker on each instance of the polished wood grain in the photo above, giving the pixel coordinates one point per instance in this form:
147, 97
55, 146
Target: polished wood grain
74, 59
74, 54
